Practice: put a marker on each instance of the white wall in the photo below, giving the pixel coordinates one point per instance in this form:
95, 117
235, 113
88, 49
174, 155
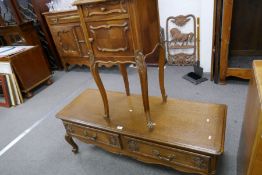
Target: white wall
199, 8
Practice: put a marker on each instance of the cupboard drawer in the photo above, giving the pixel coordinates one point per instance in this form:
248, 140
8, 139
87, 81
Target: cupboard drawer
106, 9
71, 17
167, 154
94, 135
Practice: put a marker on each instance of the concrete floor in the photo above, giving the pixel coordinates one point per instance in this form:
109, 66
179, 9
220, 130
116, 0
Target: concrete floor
35, 138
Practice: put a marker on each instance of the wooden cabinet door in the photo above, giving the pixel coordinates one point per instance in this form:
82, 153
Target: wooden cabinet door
111, 38
66, 40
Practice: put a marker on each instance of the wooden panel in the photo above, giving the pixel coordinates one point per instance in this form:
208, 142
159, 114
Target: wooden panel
257, 168
93, 135
64, 17
167, 154
106, 9
31, 68
250, 147
246, 27
68, 36
226, 31
111, 38
239, 72
66, 40
146, 15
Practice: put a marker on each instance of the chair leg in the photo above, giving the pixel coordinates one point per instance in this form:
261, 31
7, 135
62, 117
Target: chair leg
95, 73
161, 73
122, 68
142, 69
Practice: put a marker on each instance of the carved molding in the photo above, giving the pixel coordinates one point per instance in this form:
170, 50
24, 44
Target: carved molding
104, 11
140, 61
68, 128
181, 59
109, 27
133, 145
66, 48
113, 141
180, 20
181, 46
200, 163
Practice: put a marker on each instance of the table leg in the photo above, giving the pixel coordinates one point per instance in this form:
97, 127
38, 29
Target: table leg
142, 69
122, 68
69, 139
161, 72
96, 76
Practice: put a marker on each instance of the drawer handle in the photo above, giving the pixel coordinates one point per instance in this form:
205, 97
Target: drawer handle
91, 40
94, 137
161, 157
103, 9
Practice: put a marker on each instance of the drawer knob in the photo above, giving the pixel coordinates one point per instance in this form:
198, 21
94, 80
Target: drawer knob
91, 40
161, 157
103, 9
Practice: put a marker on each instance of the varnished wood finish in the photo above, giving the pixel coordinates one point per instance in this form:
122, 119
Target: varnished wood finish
249, 153
244, 35
186, 139
243, 39
30, 68
122, 31
69, 39
239, 72
226, 30
122, 68
25, 31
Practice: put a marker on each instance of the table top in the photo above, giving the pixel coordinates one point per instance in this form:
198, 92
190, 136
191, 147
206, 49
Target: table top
7, 52
191, 125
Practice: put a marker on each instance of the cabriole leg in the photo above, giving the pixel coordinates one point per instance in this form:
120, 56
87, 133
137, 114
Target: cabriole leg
70, 140
122, 68
142, 69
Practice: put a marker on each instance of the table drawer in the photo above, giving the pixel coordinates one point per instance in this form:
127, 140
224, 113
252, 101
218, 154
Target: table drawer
93, 135
70, 17
167, 154
106, 9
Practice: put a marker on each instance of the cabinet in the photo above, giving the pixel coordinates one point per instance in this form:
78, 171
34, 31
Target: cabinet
240, 43
123, 31
250, 149
186, 139
68, 37
22, 11
31, 69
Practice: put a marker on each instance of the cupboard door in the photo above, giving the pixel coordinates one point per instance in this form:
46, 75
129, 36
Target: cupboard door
66, 40
111, 38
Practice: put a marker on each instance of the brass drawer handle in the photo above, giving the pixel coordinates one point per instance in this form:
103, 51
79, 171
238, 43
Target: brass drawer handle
103, 9
94, 137
161, 157
91, 40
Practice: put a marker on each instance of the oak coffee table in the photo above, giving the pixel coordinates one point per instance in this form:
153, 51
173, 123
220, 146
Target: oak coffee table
188, 136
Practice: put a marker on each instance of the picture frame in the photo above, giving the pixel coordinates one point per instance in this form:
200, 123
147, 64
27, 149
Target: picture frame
4, 91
